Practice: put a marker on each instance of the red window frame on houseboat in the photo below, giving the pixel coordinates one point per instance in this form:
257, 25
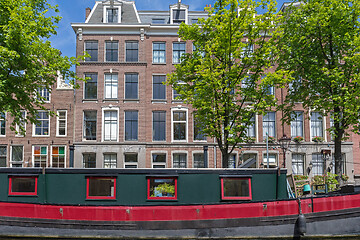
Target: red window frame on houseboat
151, 196
223, 197
22, 193
99, 197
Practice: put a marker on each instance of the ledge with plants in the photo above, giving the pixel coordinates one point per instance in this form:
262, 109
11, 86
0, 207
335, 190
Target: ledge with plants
318, 139
298, 139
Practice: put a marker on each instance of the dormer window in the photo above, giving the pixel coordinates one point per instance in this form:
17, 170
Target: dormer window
112, 14
178, 14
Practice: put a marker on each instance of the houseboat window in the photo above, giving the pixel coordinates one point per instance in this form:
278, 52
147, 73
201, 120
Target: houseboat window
162, 188
23, 186
235, 188
101, 188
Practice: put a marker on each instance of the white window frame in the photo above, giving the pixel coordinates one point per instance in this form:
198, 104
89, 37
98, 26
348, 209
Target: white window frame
175, 7
294, 160
152, 88
131, 163
34, 127
162, 153
172, 52
264, 132
58, 123
179, 152
33, 154
105, 49
198, 152
110, 153
51, 155
292, 121
114, 88
103, 124
274, 164
11, 153
158, 42
323, 126
41, 93
193, 129
186, 124
3, 119
17, 127
105, 17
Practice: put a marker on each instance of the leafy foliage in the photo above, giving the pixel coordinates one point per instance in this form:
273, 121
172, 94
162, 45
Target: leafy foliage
319, 52
27, 60
225, 78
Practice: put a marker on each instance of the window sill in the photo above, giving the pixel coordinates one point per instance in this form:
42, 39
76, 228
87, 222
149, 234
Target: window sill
111, 100
159, 63
131, 100
90, 100
158, 101
41, 136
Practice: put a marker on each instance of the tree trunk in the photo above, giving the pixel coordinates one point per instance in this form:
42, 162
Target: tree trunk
338, 155
225, 158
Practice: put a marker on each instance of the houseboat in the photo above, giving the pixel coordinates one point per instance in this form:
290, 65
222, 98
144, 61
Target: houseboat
167, 203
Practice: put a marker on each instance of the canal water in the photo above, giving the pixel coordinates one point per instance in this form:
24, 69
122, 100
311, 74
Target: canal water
302, 238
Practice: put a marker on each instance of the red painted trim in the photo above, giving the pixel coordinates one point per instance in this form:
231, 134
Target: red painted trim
161, 198
11, 193
99, 197
176, 212
223, 197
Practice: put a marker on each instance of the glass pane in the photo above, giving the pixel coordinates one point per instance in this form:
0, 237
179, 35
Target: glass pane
162, 187
22, 184
101, 187
236, 187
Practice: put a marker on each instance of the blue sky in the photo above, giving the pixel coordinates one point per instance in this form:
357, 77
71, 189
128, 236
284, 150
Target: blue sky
73, 11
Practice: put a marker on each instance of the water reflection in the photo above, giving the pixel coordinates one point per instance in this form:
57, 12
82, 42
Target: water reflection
302, 238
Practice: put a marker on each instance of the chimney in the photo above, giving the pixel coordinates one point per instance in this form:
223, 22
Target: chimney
87, 12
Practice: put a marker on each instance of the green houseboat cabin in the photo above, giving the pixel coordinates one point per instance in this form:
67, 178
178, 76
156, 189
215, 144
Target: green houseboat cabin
139, 187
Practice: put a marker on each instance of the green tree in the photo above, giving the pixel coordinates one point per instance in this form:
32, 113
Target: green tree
28, 62
225, 78
319, 49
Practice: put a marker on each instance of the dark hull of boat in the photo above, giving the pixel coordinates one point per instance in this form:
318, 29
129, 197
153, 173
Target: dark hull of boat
325, 216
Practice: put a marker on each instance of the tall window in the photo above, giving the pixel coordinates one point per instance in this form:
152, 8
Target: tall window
110, 125
297, 124
90, 125
111, 85
178, 16
112, 51
58, 157
61, 123
318, 164
250, 130
159, 126
112, 15
269, 124
131, 125
159, 160
2, 124
17, 156
132, 51
131, 85
247, 50
110, 160
295, 85
39, 156
198, 134
317, 125
199, 160
159, 52
91, 47
43, 94
179, 160
90, 87
298, 164
89, 160
179, 126
21, 127
131, 160
42, 127
159, 89
178, 51
3, 156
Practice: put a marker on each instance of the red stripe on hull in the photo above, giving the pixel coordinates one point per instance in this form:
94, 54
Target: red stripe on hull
177, 213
